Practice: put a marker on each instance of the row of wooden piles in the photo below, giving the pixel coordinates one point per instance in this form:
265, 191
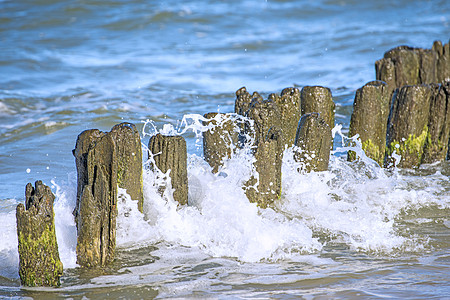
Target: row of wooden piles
407, 110
400, 112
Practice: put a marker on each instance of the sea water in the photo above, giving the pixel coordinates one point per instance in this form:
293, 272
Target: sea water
356, 230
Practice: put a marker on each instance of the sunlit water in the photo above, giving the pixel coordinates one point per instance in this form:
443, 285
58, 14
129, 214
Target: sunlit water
356, 230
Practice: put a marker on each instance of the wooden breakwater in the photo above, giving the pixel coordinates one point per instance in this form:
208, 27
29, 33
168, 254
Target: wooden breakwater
405, 111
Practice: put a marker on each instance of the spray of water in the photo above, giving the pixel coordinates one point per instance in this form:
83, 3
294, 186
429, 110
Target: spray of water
353, 203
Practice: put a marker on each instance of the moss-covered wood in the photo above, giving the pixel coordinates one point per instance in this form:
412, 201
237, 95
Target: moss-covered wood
408, 125
39, 263
220, 140
436, 146
290, 111
266, 130
369, 119
129, 160
313, 141
97, 208
169, 153
318, 99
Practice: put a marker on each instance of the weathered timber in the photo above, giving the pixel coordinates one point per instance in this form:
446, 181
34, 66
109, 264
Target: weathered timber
405, 65
266, 187
266, 115
443, 61
39, 263
314, 142
408, 124
369, 119
289, 105
220, 140
96, 212
267, 151
318, 99
129, 160
84, 140
169, 153
244, 100
436, 146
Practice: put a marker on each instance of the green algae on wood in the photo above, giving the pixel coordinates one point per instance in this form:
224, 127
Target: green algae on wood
39, 263
408, 125
220, 140
313, 141
369, 119
170, 153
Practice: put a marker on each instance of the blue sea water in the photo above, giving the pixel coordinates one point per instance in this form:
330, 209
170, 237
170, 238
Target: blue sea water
68, 66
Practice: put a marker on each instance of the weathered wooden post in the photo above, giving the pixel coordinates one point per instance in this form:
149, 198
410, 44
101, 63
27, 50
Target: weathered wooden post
318, 99
436, 146
104, 162
129, 160
243, 100
408, 124
267, 152
96, 210
220, 140
404, 63
314, 142
169, 153
369, 119
443, 61
428, 60
290, 111
39, 263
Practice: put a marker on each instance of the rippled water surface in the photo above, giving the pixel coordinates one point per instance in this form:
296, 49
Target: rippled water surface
354, 231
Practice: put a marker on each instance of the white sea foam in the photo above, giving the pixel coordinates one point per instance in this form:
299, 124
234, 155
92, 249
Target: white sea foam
356, 203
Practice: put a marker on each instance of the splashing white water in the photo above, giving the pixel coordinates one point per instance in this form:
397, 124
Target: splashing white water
355, 203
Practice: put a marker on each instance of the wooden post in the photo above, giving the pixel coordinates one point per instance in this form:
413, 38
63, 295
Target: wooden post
443, 61
406, 64
436, 146
318, 99
408, 124
96, 210
129, 160
268, 166
268, 152
314, 142
369, 119
169, 153
243, 100
39, 263
290, 110
104, 161
219, 141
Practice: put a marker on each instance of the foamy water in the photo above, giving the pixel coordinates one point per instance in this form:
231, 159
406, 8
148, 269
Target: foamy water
357, 205
354, 231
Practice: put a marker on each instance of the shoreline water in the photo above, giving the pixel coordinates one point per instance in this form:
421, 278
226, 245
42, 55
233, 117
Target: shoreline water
68, 67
